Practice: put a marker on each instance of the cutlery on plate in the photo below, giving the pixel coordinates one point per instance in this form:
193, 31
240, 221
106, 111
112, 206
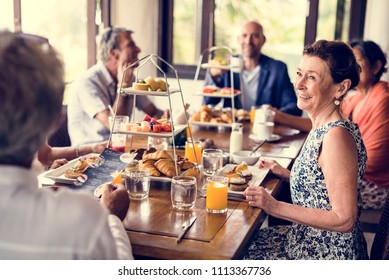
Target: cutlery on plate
260, 145
185, 226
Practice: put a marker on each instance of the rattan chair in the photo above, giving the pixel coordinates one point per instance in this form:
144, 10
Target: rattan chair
380, 246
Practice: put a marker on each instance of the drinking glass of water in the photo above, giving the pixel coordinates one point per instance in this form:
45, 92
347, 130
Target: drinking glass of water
137, 184
183, 192
212, 161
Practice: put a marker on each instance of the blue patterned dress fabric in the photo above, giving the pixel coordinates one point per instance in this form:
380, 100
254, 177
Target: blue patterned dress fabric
308, 189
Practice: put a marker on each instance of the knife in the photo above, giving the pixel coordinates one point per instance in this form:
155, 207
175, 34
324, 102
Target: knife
185, 226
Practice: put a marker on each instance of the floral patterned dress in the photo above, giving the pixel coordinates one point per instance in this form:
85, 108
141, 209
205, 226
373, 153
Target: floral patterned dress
308, 189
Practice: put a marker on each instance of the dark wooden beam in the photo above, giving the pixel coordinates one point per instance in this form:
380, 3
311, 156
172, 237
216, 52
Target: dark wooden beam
357, 19
91, 32
17, 16
311, 22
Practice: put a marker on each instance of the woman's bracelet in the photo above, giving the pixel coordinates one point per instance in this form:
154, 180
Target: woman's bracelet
77, 150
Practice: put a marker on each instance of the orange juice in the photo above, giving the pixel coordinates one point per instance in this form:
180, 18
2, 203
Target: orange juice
252, 113
190, 152
216, 198
118, 179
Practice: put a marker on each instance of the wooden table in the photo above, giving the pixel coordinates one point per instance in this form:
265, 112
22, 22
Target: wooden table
288, 146
153, 226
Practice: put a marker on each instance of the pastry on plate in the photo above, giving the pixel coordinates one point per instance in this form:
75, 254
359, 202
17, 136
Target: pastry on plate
237, 184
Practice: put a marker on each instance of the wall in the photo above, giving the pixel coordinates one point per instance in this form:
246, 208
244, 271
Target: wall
376, 25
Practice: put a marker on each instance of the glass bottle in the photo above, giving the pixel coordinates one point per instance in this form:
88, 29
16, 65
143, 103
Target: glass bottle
236, 139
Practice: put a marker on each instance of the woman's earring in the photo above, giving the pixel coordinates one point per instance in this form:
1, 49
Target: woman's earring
337, 102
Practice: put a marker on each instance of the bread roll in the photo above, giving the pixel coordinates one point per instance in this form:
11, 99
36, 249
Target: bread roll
152, 83
161, 84
140, 86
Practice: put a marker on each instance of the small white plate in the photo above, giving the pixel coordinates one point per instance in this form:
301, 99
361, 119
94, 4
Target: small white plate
100, 189
273, 138
127, 157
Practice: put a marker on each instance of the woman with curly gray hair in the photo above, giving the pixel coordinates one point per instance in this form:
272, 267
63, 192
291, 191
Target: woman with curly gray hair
42, 223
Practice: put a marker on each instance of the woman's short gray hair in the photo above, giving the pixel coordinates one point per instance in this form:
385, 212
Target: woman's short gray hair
31, 95
110, 40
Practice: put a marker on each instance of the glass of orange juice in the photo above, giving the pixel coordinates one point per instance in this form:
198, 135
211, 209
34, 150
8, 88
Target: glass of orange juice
216, 195
193, 151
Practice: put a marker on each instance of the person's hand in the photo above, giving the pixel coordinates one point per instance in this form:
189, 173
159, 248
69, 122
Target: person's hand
128, 75
274, 168
116, 200
259, 197
99, 147
216, 72
58, 162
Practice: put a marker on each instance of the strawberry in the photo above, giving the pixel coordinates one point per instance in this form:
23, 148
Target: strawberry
147, 118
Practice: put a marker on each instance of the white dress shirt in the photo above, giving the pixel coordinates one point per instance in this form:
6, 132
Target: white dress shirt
88, 96
39, 223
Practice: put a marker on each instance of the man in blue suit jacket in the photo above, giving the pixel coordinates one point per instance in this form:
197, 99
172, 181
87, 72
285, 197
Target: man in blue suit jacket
265, 80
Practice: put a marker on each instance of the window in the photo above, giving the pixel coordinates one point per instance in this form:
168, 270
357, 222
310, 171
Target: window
69, 39
6, 16
288, 26
283, 26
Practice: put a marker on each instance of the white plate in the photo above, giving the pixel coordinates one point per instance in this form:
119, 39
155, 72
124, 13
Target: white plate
216, 94
273, 138
57, 174
100, 189
130, 90
209, 124
222, 67
259, 175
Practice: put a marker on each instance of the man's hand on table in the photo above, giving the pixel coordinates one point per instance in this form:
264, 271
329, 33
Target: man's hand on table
117, 201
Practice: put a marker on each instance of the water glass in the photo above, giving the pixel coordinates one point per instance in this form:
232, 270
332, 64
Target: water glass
137, 184
183, 192
216, 195
212, 161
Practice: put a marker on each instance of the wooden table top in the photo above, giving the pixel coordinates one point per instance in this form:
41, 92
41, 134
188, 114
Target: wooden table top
153, 226
288, 146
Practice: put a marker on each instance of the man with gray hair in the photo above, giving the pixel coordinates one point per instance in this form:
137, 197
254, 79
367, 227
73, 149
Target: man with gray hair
92, 94
40, 223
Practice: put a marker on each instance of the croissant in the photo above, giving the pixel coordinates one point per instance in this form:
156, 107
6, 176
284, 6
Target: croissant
158, 155
191, 172
149, 166
167, 167
185, 164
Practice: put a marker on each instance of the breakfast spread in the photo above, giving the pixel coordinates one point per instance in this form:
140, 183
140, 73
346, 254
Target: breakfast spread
150, 84
219, 61
80, 166
238, 177
212, 115
211, 89
149, 124
161, 163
